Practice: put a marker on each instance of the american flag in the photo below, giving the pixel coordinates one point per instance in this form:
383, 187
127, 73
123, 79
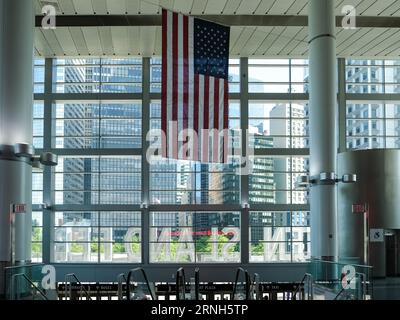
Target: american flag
195, 61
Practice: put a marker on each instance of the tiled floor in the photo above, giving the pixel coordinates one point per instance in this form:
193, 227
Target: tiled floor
387, 289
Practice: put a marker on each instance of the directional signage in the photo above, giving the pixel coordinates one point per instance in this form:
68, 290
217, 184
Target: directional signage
19, 208
359, 208
376, 235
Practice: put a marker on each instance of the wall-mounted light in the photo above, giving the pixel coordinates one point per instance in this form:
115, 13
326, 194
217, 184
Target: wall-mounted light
144, 205
324, 178
26, 153
49, 159
302, 182
349, 178
24, 150
245, 205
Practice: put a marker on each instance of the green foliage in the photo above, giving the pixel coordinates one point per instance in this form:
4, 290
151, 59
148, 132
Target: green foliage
257, 249
37, 241
76, 248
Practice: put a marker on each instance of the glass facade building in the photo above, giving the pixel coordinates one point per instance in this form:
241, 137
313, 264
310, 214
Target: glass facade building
95, 115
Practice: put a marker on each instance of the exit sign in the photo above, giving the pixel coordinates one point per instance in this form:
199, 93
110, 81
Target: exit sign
19, 208
359, 208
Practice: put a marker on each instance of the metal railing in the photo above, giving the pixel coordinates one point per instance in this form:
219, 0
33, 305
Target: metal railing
68, 288
180, 284
247, 281
197, 284
255, 288
307, 279
121, 280
15, 285
131, 273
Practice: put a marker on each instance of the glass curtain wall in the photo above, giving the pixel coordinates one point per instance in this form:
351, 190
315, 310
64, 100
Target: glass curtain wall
93, 115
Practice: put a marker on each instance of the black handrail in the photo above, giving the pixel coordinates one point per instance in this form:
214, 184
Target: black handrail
197, 284
32, 284
121, 278
128, 281
180, 275
256, 285
247, 282
79, 282
299, 286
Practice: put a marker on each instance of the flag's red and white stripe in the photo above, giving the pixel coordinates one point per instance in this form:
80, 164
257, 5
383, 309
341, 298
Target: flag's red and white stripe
189, 100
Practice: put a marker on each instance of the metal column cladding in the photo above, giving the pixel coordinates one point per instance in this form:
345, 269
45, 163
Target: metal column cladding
323, 126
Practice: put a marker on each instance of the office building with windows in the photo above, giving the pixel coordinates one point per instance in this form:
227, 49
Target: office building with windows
313, 175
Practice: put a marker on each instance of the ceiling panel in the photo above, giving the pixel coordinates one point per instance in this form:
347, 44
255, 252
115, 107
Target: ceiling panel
248, 6
198, 6
214, 7
288, 37
262, 46
149, 7
79, 40
67, 7
119, 35
92, 39
280, 7
231, 6
100, 7
237, 46
132, 6
41, 44
66, 41
363, 6
83, 6
115, 6
265, 6
244, 41
106, 41
52, 41
298, 37
167, 4
297, 7
300, 50
134, 40
392, 47
254, 41
147, 38
386, 47
183, 6
269, 40
158, 42
362, 43
392, 10
234, 35
377, 7
274, 41
260, 7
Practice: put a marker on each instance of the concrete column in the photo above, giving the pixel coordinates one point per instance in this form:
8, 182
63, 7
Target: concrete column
323, 127
16, 90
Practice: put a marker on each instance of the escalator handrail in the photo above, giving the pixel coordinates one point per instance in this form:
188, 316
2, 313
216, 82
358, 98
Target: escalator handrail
256, 285
128, 280
35, 287
197, 284
73, 275
246, 277
121, 279
180, 274
306, 275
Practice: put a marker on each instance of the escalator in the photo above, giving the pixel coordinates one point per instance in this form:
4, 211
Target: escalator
138, 286
241, 286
